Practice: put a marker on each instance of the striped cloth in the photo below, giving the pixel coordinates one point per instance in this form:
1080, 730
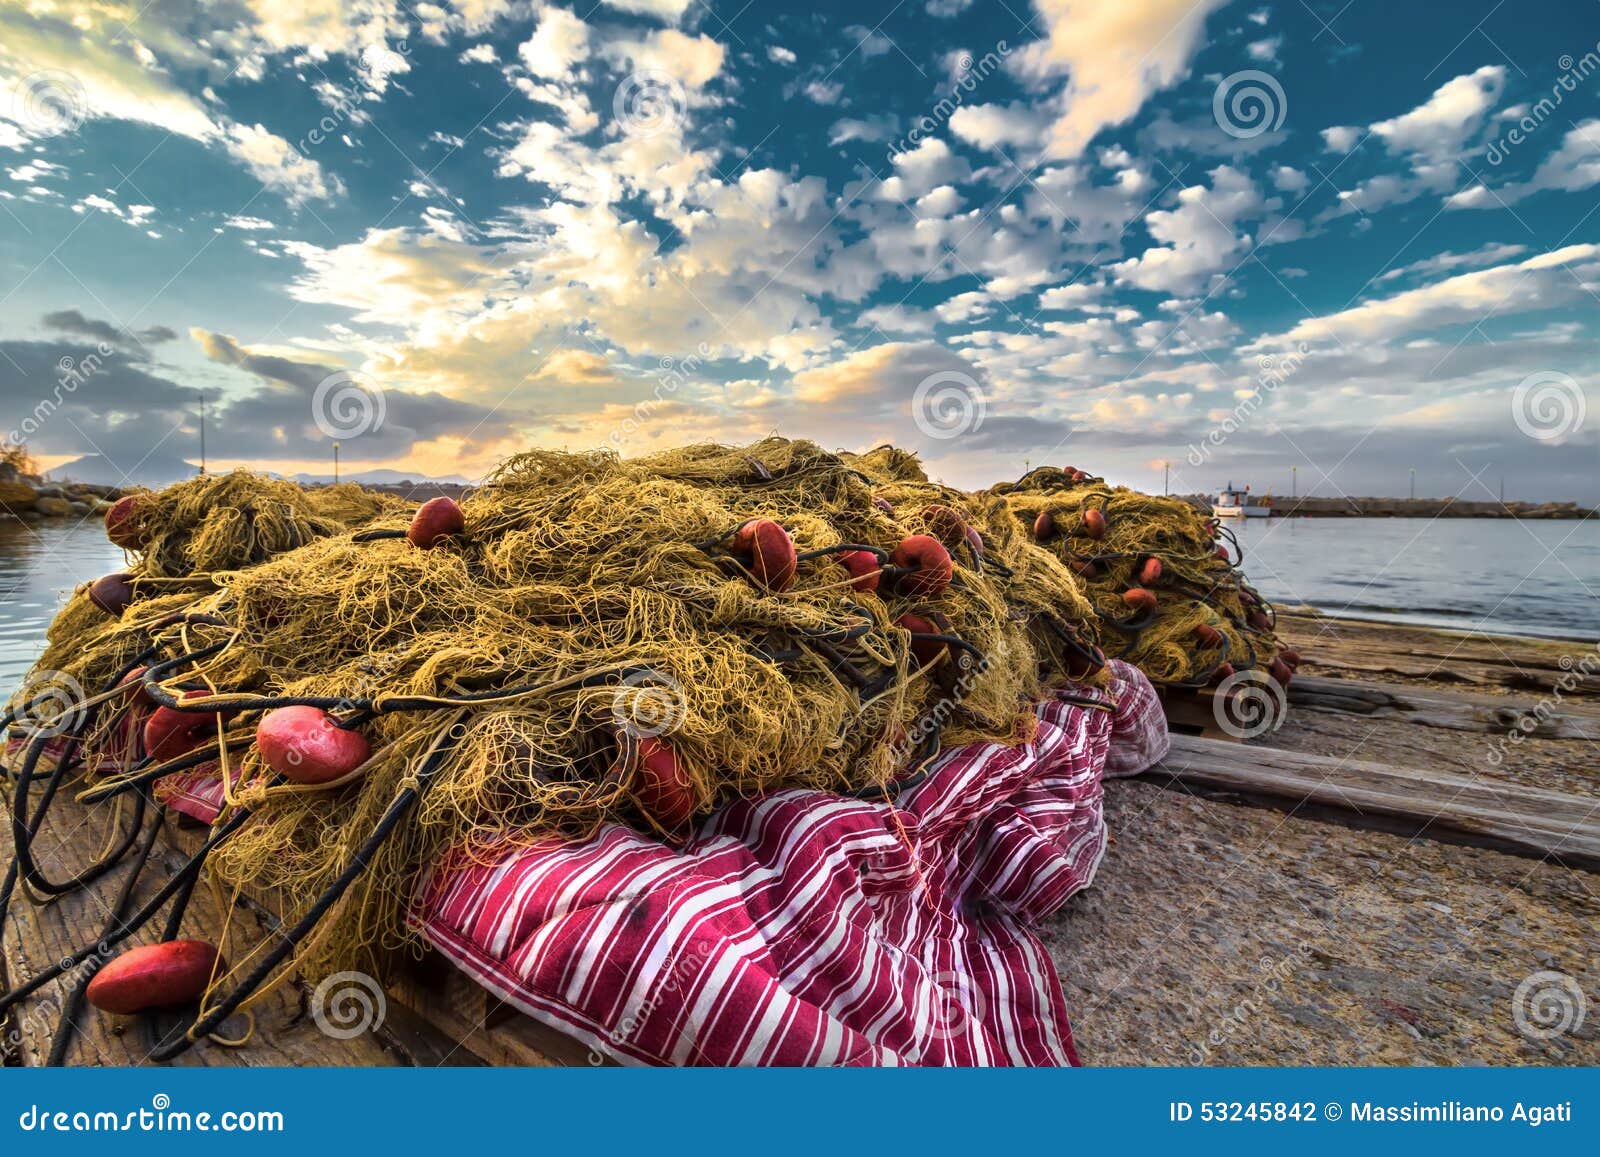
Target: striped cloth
807, 929
801, 928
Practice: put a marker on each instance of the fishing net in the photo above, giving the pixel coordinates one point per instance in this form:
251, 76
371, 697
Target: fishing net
1163, 578
595, 640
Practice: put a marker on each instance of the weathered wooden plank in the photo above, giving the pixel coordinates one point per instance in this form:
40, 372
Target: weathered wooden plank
1546, 718
1441, 656
1484, 812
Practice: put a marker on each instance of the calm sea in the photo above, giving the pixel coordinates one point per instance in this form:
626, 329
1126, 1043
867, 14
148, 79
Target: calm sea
1520, 578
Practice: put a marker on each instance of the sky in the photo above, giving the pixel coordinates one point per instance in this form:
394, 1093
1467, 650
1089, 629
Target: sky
1312, 244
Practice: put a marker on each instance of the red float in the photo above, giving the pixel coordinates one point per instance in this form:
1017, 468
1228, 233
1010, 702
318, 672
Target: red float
435, 520
304, 745
168, 975
927, 565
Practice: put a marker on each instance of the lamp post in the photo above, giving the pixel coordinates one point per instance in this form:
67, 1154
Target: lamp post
1166, 476
202, 433
1413, 483
336, 463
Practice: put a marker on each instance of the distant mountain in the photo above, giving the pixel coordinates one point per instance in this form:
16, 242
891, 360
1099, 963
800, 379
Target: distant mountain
100, 471
383, 478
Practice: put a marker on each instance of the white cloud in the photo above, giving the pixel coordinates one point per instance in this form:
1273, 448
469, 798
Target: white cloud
668, 10
1572, 167
559, 42
1200, 234
1440, 127
1113, 54
1341, 138
1265, 50
278, 165
988, 126
1544, 281
480, 54
778, 54
1490, 254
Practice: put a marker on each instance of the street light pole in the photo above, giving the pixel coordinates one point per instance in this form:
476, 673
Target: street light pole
202, 433
1413, 483
336, 463
1166, 477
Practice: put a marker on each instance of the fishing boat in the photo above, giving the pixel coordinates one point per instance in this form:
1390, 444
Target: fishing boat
1231, 503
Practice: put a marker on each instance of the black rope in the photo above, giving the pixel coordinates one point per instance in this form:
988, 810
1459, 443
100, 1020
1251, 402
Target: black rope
401, 804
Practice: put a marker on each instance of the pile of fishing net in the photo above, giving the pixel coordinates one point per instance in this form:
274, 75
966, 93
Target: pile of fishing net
582, 640
1163, 578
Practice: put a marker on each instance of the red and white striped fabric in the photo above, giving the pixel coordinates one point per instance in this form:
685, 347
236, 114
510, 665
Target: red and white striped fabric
802, 928
806, 929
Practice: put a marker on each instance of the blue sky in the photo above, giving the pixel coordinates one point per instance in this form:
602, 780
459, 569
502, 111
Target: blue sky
1340, 239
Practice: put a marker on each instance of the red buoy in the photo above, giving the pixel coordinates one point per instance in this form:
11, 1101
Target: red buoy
864, 566
767, 552
1044, 527
927, 563
1087, 567
945, 525
1223, 671
925, 651
435, 520
1094, 522
140, 697
168, 975
112, 593
1291, 658
975, 541
1140, 599
1222, 554
1260, 620
659, 785
1150, 572
168, 733
1280, 672
304, 745
122, 523
1208, 636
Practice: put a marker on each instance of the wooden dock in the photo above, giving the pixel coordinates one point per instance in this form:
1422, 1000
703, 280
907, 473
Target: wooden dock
1405, 773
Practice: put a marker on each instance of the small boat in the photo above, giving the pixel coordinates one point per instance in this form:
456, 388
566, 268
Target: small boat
1231, 503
